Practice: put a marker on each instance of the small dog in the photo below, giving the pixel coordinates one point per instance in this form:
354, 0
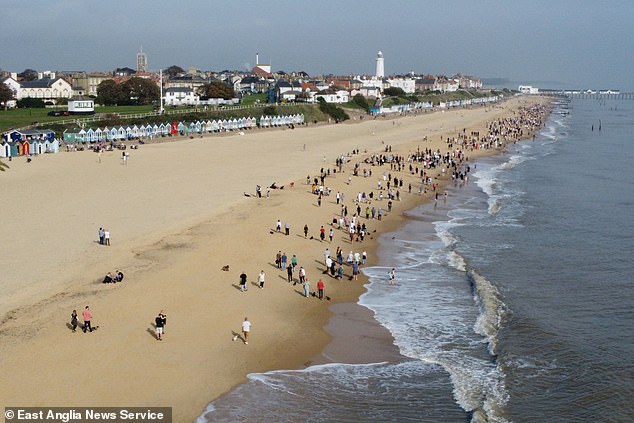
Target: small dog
225, 268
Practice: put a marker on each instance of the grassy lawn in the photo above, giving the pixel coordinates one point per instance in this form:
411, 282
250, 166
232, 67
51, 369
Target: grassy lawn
254, 98
19, 118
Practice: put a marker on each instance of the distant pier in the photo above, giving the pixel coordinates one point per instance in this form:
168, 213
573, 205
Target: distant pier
589, 95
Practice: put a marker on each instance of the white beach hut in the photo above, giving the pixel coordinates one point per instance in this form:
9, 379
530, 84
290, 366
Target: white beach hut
5, 148
113, 134
51, 146
90, 135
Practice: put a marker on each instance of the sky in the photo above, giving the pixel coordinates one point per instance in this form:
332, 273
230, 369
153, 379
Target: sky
584, 44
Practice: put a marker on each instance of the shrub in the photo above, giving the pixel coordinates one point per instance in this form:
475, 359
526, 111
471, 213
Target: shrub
269, 111
33, 103
394, 91
333, 111
360, 101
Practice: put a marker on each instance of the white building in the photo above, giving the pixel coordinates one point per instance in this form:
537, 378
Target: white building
81, 106
333, 96
180, 96
380, 68
527, 89
13, 86
45, 89
406, 84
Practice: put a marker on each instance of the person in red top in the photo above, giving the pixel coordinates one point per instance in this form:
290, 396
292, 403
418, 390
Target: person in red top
322, 233
320, 289
87, 316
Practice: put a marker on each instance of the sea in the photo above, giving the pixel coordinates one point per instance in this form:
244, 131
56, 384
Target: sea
514, 297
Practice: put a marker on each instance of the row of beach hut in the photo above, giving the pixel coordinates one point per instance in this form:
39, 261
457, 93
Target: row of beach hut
176, 128
34, 141
28, 142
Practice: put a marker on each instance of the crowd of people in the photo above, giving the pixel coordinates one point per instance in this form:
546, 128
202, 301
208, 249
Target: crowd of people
349, 219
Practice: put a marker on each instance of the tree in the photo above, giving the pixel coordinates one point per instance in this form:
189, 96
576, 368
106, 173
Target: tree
217, 89
141, 91
110, 93
394, 91
6, 94
174, 70
360, 101
31, 103
337, 113
28, 75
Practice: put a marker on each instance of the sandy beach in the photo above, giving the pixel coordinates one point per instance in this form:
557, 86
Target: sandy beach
178, 213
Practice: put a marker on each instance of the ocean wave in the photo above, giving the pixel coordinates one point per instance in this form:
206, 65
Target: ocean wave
457, 261
515, 160
492, 307
339, 392
494, 206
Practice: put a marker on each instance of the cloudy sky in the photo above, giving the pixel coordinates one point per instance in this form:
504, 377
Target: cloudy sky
555, 43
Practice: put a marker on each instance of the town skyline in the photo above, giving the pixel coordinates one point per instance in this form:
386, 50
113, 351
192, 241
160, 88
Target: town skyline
562, 44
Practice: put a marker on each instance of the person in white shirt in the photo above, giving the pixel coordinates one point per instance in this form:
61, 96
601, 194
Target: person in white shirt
246, 328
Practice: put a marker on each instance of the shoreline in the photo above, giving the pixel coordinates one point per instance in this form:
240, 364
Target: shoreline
191, 255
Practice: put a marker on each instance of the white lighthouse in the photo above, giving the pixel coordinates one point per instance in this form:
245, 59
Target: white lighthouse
380, 70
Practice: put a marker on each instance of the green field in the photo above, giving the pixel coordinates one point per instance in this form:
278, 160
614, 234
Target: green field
125, 115
19, 118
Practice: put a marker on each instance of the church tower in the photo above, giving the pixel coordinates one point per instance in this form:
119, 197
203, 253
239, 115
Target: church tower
141, 61
380, 70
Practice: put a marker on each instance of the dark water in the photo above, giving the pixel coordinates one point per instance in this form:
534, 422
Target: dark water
514, 297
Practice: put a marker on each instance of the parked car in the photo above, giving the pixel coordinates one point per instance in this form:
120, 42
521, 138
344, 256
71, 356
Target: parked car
58, 113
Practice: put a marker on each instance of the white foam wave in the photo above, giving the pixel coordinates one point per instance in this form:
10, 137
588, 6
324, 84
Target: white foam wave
457, 261
477, 389
514, 161
494, 205
493, 309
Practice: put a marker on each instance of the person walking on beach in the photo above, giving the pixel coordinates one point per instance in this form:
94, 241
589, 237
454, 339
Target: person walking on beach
246, 328
302, 275
106, 236
331, 234
278, 226
289, 273
101, 236
320, 289
305, 231
87, 316
284, 259
287, 228
278, 259
160, 321
243, 282
322, 233
306, 288
261, 279
73, 319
